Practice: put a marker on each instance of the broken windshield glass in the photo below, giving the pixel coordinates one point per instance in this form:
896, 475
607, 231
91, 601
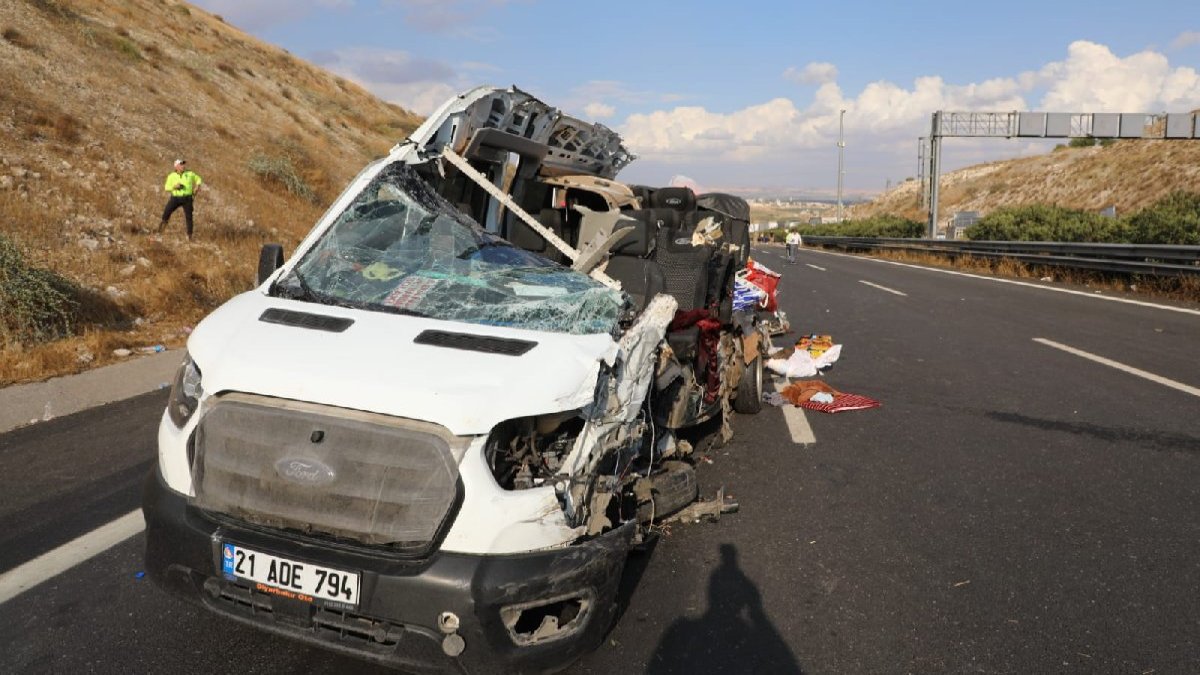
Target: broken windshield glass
400, 247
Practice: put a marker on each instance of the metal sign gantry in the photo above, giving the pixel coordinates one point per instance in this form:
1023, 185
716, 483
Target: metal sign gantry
1172, 126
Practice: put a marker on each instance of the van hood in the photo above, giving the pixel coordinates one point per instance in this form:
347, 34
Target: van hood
374, 365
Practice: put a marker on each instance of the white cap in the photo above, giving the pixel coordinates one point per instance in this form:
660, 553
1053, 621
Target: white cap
180, 161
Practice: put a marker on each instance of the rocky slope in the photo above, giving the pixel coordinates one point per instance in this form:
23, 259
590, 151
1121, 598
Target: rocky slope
1127, 174
97, 98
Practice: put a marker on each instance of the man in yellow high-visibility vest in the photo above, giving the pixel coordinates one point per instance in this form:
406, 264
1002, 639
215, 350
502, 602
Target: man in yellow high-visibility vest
182, 184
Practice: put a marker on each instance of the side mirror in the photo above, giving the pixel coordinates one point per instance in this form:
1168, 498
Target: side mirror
270, 258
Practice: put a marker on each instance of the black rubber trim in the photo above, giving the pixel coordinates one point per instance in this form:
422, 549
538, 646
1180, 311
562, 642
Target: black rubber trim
289, 317
474, 343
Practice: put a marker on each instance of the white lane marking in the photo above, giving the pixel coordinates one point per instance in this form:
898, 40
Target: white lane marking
815, 267
882, 288
1014, 282
20, 579
797, 423
1187, 389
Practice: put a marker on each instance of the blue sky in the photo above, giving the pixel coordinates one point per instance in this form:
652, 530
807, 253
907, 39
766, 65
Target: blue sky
739, 95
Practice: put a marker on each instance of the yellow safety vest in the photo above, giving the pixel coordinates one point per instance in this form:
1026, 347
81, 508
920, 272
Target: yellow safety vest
182, 184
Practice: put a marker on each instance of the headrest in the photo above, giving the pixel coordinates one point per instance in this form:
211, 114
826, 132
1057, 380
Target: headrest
678, 198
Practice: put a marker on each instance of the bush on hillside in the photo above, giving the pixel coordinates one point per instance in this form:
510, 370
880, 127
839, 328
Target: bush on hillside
1175, 219
883, 225
280, 171
36, 304
1039, 222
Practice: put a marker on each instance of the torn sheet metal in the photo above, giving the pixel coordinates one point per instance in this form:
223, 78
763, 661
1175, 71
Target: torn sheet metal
616, 195
619, 398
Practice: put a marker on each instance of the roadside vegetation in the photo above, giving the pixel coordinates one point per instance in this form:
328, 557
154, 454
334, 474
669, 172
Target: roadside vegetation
96, 99
882, 225
1174, 220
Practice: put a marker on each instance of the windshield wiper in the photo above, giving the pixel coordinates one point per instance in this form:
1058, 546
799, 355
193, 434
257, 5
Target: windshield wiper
306, 293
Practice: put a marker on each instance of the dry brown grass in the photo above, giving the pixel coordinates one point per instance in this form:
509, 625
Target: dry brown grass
1128, 174
88, 128
17, 38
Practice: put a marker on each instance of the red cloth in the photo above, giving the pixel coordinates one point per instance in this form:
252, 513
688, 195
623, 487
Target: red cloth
842, 403
765, 279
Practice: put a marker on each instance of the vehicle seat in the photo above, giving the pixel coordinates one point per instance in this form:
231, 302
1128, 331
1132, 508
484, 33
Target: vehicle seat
524, 236
640, 276
685, 267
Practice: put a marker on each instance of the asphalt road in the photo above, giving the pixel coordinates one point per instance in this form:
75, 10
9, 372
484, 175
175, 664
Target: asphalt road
1012, 507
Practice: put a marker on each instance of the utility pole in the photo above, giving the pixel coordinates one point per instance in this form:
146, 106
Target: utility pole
935, 171
841, 160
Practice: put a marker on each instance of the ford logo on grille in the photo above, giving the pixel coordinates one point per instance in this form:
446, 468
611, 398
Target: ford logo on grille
308, 472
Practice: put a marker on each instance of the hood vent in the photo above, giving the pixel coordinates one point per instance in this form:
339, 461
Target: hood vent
474, 343
287, 317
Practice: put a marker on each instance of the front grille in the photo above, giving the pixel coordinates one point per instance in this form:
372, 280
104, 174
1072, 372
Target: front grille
362, 477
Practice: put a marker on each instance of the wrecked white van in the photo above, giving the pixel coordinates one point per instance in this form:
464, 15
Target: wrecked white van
430, 438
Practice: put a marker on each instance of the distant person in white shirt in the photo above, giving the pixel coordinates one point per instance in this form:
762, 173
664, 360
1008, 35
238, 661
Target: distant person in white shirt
793, 241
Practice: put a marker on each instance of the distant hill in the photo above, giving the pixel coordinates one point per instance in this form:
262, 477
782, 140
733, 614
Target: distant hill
1127, 174
96, 100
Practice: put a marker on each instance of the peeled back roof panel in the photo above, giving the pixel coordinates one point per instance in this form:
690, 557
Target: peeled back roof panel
730, 205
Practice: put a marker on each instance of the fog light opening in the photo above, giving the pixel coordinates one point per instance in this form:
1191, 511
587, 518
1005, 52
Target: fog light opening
546, 620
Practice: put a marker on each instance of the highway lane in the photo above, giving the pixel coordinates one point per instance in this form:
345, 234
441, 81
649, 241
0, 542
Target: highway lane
1010, 508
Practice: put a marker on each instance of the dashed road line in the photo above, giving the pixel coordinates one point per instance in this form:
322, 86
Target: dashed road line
1158, 379
1094, 296
882, 288
797, 423
24, 577
816, 267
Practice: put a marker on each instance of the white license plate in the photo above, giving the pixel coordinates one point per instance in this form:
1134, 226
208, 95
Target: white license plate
289, 578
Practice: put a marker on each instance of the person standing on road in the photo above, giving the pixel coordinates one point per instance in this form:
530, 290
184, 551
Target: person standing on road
182, 184
793, 241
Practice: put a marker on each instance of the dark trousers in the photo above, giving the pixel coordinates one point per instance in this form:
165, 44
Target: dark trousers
174, 203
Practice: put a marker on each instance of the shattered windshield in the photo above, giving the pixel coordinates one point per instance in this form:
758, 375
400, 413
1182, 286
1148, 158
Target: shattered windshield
400, 247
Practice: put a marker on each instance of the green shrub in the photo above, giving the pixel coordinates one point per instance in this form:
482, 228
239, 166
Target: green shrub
883, 225
280, 171
1175, 219
36, 305
1039, 222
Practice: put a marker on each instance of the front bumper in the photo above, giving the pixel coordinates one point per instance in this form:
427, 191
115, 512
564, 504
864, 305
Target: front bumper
397, 620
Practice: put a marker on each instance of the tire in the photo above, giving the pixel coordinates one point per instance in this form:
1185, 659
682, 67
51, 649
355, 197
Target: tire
674, 488
748, 400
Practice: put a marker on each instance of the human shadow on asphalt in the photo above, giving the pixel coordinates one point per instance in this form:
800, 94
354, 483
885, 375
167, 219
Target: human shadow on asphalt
733, 636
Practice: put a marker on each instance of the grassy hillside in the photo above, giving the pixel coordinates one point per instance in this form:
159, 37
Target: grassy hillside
96, 99
1128, 174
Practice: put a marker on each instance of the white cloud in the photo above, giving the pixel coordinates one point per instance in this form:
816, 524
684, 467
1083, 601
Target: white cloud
414, 83
257, 14
884, 119
1186, 39
598, 99
1092, 78
817, 72
597, 111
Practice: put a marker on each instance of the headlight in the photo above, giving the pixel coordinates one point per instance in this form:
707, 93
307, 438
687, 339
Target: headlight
185, 393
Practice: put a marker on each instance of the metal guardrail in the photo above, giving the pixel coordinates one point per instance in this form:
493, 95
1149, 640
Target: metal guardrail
1147, 259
